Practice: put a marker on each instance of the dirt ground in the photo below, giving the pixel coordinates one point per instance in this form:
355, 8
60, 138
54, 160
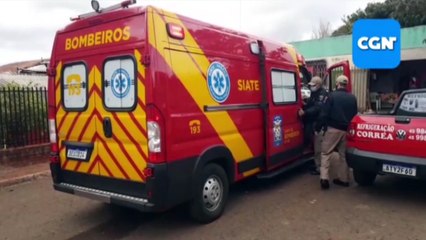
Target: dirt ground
24, 166
291, 206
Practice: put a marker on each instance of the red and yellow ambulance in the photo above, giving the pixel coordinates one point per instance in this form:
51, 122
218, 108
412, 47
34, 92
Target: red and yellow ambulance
150, 109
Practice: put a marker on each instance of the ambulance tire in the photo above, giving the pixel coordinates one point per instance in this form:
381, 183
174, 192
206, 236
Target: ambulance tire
211, 194
364, 178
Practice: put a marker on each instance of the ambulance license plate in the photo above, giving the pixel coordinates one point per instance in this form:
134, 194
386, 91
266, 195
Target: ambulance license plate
77, 153
400, 170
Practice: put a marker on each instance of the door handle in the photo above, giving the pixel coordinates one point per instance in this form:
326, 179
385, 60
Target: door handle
107, 127
404, 120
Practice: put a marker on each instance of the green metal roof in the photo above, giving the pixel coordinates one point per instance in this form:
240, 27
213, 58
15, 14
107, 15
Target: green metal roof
414, 37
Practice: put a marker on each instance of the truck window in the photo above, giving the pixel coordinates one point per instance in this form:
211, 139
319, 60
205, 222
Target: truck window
74, 87
119, 84
413, 104
284, 89
331, 79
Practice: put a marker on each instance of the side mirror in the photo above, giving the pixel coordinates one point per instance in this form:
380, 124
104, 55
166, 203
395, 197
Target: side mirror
254, 48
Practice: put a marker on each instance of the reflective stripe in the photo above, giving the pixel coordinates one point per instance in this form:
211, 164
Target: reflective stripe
196, 84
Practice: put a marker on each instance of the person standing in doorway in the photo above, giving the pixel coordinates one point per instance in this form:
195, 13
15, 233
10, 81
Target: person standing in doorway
310, 114
338, 111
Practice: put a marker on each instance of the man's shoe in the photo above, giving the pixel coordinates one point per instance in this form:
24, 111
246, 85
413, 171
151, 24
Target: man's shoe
315, 172
340, 183
324, 184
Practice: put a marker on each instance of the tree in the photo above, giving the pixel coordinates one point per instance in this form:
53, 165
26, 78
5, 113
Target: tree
348, 21
409, 13
323, 30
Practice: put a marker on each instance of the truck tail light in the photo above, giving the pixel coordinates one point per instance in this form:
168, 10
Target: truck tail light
53, 135
155, 132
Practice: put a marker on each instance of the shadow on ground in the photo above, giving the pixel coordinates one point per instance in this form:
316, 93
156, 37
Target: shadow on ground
394, 188
124, 221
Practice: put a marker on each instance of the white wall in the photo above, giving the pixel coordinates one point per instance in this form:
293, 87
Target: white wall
406, 55
23, 80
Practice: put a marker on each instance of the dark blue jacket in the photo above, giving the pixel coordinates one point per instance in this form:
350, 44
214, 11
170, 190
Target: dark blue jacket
338, 110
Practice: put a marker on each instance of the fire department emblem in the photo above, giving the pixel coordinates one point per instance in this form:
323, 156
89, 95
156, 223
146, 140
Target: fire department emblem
277, 130
218, 82
401, 134
120, 83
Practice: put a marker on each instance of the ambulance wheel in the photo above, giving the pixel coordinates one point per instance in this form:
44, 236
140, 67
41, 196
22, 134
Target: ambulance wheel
211, 193
364, 178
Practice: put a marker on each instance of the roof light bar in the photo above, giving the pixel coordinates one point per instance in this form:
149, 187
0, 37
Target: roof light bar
95, 5
98, 9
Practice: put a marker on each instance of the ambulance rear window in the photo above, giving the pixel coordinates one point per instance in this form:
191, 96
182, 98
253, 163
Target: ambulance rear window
74, 87
284, 87
119, 84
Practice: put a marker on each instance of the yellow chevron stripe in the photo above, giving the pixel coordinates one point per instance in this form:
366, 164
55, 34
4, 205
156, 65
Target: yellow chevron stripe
60, 111
84, 166
113, 168
292, 51
62, 156
141, 71
251, 172
67, 122
124, 118
196, 84
58, 72
71, 165
139, 113
141, 68
116, 150
76, 130
95, 102
57, 83
118, 153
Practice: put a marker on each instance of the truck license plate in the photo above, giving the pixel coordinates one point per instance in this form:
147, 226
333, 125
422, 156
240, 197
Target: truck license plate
78, 154
401, 170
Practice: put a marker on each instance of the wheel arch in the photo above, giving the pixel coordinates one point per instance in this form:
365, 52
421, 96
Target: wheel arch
219, 155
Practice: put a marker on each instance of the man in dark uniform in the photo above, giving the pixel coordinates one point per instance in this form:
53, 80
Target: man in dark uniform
338, 111
310, 114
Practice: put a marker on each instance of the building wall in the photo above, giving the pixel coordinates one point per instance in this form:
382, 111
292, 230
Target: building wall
336, 49
413, 45
23, 80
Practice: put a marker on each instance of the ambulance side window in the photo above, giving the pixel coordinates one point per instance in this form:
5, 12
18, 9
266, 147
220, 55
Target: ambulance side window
119, 84
284, 89
74, 87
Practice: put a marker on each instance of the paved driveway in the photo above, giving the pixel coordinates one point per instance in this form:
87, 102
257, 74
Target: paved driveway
287, 207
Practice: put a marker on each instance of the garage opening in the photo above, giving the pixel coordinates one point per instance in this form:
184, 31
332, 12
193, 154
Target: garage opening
387, 85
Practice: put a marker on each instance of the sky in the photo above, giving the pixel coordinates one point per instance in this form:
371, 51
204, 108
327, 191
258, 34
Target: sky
27, 27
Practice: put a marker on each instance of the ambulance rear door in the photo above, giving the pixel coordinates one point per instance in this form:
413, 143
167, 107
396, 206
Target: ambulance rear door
102, 123
122, 118
75, 120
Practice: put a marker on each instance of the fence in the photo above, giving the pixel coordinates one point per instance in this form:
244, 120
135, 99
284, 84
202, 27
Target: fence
23, 116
